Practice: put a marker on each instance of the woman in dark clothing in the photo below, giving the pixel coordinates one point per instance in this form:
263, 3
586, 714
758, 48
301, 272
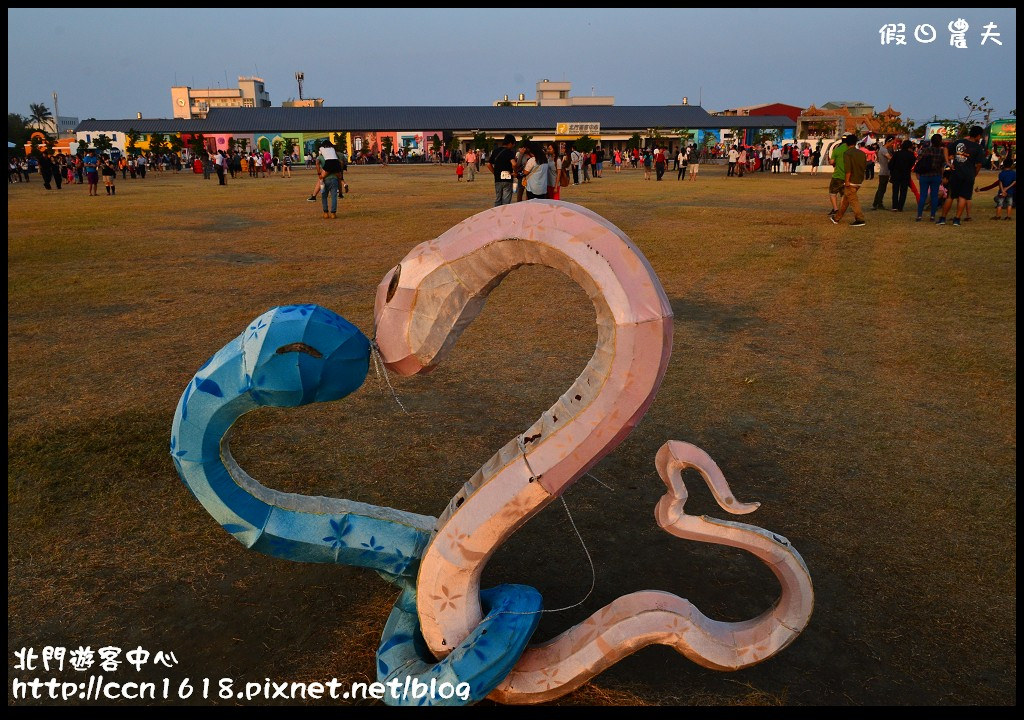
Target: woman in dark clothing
931, 161
899, 174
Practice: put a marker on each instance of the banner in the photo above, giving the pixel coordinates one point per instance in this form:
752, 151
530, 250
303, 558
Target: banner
578, 128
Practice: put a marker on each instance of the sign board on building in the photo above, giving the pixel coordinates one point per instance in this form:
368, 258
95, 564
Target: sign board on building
578, 128
1003, 131
947, 132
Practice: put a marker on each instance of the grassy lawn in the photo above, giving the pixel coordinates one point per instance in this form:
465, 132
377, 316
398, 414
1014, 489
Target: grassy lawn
859, 382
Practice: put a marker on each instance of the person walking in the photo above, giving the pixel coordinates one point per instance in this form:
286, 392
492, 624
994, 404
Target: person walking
92, 172
648, 161
694, 160
535, 172
659, 162
220, 165
734, 157
900, 168
931, 162
837, 184
330, 170
883, 156
681, 163
565, 170
966, 160
854, 165
471, 160
502, 164
46, 168
554, 189
109, 173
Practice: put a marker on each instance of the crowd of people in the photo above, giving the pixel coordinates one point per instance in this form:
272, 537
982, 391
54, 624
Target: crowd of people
239, 163
540, 170
57, 168
771, 158
945, 171
935, 171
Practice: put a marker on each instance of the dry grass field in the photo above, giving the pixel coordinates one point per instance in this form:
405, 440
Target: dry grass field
859, 382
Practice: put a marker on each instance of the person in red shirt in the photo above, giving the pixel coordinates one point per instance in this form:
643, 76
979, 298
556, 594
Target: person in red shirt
659, 162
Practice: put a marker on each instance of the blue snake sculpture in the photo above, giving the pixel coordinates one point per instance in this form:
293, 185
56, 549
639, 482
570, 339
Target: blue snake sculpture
296, 355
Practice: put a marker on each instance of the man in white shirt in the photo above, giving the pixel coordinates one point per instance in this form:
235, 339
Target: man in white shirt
733, 157
883, 157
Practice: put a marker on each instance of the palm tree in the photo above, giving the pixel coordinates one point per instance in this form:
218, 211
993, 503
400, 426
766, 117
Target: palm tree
41, 115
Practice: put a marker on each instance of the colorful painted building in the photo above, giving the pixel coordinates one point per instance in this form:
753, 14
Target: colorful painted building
369, 129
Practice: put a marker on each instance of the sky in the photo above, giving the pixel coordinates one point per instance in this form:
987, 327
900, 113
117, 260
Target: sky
114, 63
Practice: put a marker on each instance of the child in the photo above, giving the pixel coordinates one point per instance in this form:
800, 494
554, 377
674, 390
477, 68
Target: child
1006, 197
109, 174
1008, 189
459, 170
318, 188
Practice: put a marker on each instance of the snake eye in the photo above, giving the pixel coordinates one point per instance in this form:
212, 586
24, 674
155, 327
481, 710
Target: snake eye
393, 285
299, 347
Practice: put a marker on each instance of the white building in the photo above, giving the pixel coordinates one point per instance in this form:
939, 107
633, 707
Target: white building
191, 102
556, 94
64, 127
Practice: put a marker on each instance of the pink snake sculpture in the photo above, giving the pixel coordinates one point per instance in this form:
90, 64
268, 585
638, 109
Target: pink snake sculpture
422, 307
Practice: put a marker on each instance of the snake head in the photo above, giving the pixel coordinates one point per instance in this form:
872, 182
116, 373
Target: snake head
298, 354
420, 311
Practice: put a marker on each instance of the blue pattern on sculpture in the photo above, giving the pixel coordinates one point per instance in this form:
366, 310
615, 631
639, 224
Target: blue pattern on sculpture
296, 355
482, 660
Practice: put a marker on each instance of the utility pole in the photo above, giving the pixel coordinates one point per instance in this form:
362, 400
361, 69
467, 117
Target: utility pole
56, 116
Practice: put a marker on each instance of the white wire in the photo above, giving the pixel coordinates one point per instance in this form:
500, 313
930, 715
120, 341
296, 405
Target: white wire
590, 560
378, 366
